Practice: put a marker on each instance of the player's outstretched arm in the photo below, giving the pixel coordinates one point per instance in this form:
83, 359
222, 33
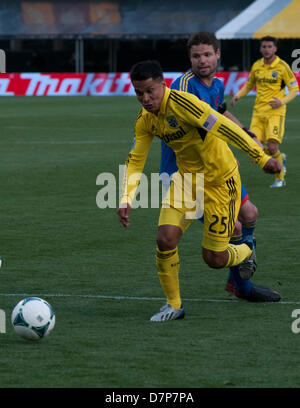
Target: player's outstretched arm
133, 170
230, 132
276, 102
234, 119
230, 116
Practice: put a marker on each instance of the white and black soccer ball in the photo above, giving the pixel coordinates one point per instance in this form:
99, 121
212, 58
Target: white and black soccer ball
33, 318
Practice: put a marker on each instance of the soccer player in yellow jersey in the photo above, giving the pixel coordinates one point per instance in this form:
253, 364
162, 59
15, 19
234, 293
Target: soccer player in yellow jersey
198, 135
270, 75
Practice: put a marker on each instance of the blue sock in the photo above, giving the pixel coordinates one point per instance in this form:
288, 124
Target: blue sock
242, 286
247, 231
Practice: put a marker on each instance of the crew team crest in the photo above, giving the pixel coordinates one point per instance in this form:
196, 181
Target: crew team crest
172, 121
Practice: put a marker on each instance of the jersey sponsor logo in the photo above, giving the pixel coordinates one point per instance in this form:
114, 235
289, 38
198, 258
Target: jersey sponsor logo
293, 83
174, 136
172, 121
267, 80
210, 121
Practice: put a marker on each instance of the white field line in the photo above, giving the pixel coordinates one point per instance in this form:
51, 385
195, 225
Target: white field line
137, 298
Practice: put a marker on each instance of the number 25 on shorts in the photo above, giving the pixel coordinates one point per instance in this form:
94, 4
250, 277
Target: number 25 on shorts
218, 226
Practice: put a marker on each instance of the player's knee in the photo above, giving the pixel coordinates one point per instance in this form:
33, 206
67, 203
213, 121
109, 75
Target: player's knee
248, 212
252, 213
167, 239
214, 259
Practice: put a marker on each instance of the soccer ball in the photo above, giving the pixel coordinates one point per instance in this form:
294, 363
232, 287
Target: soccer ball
33, 318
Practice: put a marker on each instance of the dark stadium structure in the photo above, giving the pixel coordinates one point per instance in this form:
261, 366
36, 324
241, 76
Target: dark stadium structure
109, 36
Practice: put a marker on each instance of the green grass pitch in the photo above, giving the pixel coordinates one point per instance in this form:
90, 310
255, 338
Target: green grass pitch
101, 279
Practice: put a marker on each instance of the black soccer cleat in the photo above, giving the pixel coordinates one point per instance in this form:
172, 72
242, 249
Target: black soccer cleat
262, 294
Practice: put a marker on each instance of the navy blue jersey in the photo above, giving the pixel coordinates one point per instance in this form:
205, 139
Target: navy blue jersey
189, 82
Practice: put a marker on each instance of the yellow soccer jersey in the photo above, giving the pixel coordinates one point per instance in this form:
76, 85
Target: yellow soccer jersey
198, 136
270, 80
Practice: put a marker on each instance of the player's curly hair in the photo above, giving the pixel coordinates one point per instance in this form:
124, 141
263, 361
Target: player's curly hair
203, 37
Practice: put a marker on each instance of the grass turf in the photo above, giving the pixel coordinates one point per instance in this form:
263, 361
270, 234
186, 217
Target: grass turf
57, 244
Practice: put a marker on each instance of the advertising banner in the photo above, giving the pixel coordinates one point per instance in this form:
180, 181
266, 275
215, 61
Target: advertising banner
94, 84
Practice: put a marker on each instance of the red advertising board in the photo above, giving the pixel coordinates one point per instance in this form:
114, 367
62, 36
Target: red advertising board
94, 84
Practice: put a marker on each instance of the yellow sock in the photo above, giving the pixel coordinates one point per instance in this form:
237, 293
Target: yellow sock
237, 253
278, 156
167, 263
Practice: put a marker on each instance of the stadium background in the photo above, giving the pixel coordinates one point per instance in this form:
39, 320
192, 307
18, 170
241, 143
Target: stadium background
109, 36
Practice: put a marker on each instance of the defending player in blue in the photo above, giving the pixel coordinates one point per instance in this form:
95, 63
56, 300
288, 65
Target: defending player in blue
200, 80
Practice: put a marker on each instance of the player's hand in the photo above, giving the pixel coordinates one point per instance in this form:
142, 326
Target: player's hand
123, 214
276, 103
272, 166
233, 100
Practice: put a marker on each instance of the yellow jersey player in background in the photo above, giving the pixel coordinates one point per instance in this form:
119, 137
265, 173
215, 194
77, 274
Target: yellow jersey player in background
198, 135
270, 75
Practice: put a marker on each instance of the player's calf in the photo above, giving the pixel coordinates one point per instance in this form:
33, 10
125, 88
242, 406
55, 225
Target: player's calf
233, 255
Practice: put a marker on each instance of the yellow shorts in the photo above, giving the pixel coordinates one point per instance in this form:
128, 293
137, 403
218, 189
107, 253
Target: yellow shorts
268, 128
221, 207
